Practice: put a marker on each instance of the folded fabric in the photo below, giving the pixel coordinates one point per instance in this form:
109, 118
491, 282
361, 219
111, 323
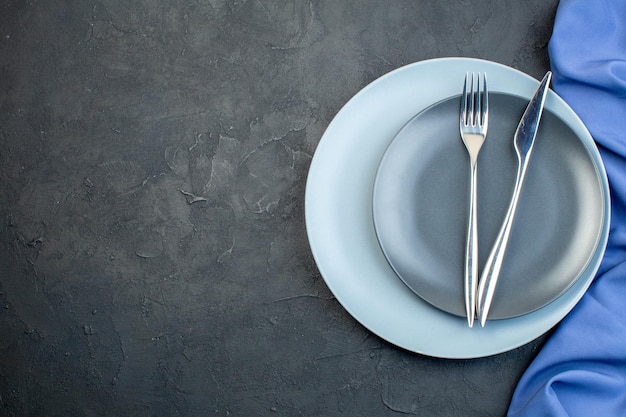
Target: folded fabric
581, 370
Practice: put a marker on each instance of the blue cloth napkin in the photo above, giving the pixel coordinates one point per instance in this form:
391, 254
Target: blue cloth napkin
581, 370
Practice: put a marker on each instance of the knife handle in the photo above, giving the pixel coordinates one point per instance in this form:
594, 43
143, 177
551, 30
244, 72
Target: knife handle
491, 272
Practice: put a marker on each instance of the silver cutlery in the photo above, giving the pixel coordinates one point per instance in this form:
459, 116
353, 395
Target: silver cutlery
524, 140
473, 122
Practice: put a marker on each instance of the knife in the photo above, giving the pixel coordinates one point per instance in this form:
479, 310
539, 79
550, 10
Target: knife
523, 142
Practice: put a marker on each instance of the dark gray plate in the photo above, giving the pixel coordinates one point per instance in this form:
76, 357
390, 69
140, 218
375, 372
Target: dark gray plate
421, 198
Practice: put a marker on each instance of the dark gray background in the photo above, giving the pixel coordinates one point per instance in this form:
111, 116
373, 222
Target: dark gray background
153, 160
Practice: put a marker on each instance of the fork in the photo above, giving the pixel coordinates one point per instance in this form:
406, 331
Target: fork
473, 122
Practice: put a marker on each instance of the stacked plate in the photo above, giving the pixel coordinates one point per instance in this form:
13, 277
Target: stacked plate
386, 210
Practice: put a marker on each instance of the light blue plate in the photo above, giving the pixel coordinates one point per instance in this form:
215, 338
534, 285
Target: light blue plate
339, 216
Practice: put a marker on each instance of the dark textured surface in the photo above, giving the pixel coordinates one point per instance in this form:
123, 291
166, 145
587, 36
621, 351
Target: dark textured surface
153, 159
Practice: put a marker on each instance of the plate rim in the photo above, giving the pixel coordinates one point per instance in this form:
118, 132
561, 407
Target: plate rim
495, 338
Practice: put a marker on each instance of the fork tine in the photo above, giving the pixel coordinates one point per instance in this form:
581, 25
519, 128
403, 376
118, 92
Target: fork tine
463, 111
484, 116
473, 95
478, 99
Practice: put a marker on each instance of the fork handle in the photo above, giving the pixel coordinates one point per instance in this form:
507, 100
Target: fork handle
471, 250
491, 272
